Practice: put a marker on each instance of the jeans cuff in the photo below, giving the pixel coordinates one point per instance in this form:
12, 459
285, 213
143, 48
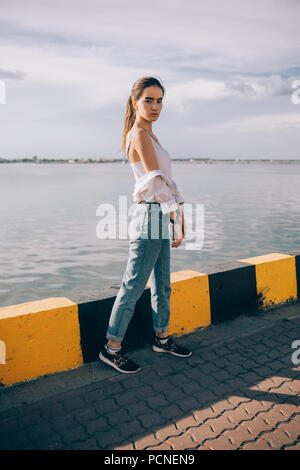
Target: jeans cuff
162, 329
117, 339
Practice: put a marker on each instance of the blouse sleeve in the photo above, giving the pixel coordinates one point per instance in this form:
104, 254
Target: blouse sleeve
157, 186
179, 197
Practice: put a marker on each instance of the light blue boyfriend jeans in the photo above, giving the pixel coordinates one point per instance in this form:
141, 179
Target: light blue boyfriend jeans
149, 257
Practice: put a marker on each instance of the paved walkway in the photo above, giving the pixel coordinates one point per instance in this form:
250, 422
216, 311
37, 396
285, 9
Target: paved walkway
239, 390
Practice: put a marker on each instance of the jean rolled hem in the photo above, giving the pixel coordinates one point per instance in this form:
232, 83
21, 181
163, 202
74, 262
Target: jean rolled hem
117, 339
162, 329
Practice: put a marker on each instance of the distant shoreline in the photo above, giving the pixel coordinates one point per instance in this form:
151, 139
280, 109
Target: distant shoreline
208, 161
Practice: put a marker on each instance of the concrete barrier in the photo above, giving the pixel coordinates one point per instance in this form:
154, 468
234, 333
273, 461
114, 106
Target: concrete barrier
57, 334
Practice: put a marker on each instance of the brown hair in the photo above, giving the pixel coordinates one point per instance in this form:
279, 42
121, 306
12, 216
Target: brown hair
136, 93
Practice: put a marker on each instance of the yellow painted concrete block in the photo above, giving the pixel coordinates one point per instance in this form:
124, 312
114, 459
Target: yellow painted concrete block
40, 337
278, 272
189, 303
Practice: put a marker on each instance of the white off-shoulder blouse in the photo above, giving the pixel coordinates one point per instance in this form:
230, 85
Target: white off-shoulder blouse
155, 185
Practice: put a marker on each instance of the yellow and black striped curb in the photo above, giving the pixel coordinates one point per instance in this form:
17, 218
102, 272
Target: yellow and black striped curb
56, 334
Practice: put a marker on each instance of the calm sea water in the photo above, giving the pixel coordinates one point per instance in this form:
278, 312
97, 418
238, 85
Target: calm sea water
48, 241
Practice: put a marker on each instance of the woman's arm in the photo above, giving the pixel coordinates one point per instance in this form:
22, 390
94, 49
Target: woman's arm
161, 186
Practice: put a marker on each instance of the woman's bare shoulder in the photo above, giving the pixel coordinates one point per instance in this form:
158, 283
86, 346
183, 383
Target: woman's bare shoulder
141, 135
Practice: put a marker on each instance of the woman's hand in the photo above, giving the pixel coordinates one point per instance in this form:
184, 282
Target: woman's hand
172, 215
177, 243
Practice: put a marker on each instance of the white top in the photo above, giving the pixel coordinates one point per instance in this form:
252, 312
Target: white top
155, 185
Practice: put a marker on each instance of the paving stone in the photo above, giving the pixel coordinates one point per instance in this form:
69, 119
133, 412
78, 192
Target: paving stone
99, 424
163, 446
236, 415
126, 398
141, 407
187, 404
201, 433
277, 439
257, 444
74, 403
205, 396
240, 395
191, 388
181, 442
17, 440
128, 446
286, 409
151, 419
237, 400
53, 442
174, 394
8, 424
172, 411
256, 426
85, 414
129, 429
252, 407
39, 431
53, 409
155, 401
219, 424
72, 435
184, 423
147, 441
58, 423
117, 417
294, 385
203, 414
179, 379
130, 382
220, 443
166, 431
291, 428
93, 395
106, 406
109, 438
238, 435
222, 375
90, 444
296, 446
28, 417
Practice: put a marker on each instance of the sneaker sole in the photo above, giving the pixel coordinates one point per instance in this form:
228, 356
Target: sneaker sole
116, 367
157, 349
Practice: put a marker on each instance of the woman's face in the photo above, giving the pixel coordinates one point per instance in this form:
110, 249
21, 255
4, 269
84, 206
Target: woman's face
149, 105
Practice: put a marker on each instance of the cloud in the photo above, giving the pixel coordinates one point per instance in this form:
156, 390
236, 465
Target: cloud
80, 60
13, 75
237, 87
258, 124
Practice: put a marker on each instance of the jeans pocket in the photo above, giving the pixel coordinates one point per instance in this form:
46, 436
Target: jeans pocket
159, 224
138, 227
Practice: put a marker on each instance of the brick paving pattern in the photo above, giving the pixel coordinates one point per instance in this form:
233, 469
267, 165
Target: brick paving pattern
243, 394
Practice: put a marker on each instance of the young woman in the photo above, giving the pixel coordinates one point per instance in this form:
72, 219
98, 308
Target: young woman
158, 208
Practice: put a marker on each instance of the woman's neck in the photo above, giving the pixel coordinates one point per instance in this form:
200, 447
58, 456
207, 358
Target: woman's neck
143, 125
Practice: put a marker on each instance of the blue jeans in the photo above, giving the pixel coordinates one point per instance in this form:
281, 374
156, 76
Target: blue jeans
149, 256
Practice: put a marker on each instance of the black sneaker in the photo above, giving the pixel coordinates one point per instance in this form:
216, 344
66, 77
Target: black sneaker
119, 361
170, 347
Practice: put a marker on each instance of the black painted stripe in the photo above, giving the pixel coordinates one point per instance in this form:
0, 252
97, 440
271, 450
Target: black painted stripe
94, 318
232, 289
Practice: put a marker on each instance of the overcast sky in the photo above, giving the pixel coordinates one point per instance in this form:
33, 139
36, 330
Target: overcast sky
68, 67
